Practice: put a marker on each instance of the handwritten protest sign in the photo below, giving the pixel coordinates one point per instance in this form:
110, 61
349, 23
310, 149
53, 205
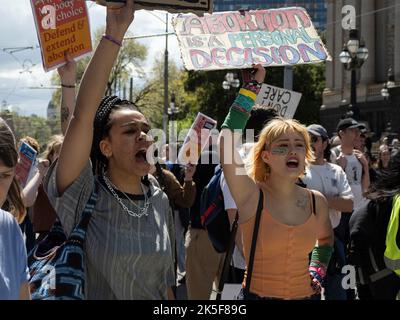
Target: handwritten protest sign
61, 25
283, 101
196, 139
235, 40
27, 158
194, 6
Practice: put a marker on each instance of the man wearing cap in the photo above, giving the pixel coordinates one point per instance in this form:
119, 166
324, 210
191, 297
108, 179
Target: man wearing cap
355, 165
331, 181
352, 161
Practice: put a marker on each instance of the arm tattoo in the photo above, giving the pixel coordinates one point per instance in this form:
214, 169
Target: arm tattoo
64, 114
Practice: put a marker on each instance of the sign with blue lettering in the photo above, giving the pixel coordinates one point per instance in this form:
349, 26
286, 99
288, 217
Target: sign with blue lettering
237, 40
283, 101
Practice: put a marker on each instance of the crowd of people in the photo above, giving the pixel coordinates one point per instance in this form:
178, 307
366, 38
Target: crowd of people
309, 205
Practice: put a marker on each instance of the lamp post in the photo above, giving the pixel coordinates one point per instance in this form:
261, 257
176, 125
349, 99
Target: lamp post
353, 56
390, 84
231, 81
172, 111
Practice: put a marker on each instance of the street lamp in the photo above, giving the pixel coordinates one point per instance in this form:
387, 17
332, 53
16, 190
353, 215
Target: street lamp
390, 84
353, 56
231, 81
172, 111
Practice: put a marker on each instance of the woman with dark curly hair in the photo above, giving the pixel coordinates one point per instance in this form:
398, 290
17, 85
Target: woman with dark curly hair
129, 242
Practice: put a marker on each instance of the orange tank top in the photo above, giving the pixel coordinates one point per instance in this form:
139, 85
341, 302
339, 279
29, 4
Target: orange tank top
282, 257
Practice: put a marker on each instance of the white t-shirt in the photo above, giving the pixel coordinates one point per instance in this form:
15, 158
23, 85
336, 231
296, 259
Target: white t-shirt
331, 181
237, 257
354, 177
354, 172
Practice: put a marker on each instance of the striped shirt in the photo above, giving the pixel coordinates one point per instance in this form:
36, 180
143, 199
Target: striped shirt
127, 258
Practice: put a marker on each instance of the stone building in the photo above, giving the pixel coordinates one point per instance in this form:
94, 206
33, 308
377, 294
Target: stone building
379, 24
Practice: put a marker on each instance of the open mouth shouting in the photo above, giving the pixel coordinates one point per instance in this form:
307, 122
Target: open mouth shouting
140, 156
292, 163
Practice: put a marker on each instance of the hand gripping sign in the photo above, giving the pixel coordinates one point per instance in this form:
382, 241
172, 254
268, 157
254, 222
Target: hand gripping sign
237, 40
194, 6
26, 161
196, 139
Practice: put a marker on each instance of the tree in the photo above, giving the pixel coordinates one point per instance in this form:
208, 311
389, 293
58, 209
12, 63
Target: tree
129, 61
211, 99
34, 126
308, 80
150, 99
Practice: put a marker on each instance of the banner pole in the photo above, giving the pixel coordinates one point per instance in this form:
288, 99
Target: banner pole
288, 78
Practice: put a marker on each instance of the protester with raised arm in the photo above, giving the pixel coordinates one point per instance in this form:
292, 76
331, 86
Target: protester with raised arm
129, 242
294, 221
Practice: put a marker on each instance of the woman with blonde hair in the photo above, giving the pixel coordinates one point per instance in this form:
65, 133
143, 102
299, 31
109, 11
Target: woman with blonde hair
294, 221
53, 148
13, 263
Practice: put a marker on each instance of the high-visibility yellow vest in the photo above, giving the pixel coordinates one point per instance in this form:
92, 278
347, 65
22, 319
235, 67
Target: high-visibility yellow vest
392, 252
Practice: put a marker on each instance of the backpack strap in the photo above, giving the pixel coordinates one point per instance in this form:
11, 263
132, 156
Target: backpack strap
313, 203
228, 257
253, 245
79, 231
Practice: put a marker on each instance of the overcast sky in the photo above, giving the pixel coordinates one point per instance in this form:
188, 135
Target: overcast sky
22, 70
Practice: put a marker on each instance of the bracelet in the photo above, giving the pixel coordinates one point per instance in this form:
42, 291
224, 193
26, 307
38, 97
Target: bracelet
109, 38
67, 86
253, 86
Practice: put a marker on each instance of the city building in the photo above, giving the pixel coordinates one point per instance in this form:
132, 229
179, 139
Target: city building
378, 23
315, 8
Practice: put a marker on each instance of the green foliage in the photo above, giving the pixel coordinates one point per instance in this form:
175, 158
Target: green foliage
310, 81
129, 61
150, 99
212, 100
215, 102
33, 126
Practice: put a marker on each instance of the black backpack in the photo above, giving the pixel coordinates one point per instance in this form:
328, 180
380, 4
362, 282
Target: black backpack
213, 214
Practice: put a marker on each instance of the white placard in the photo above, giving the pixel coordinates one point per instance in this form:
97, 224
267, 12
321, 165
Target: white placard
237, 40
231, 291
283, 101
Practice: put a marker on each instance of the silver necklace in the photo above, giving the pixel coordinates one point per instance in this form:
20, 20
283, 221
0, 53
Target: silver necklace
140, 212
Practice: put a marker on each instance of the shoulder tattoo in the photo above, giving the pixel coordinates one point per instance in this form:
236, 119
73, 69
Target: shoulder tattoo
302, 202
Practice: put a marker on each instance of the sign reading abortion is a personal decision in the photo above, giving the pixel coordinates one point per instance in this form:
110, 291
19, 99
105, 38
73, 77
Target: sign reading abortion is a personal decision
283, 101
237, 40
